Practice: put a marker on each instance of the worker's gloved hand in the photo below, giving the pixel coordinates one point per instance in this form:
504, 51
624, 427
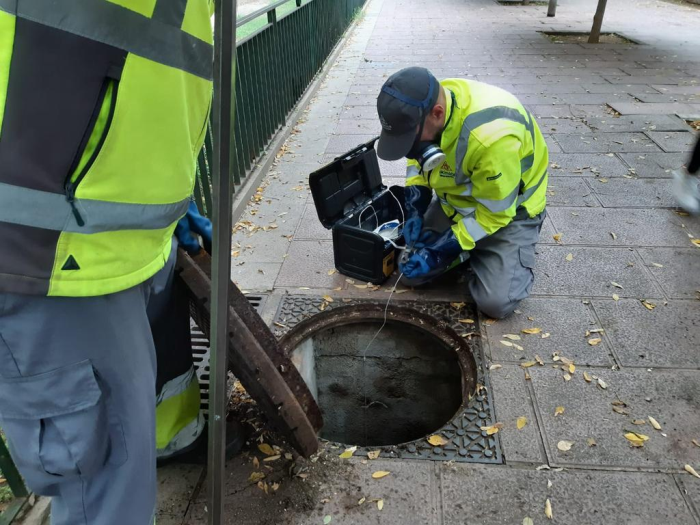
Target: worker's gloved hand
438, 255
191, 225
417, 200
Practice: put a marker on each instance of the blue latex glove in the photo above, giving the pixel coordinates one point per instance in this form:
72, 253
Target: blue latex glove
416, 202
189, 226
438, 255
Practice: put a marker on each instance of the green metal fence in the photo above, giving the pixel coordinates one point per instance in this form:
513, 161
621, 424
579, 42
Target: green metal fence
280, 49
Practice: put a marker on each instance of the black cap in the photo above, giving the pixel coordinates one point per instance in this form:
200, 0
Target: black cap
403, 103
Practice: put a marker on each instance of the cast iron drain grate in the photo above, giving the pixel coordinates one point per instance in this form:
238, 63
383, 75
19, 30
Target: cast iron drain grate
466, 441
200, 352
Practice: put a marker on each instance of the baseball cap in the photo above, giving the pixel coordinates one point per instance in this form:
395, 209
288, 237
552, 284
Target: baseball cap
403, 102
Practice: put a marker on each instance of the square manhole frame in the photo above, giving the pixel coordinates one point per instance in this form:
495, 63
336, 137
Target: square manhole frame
466, 442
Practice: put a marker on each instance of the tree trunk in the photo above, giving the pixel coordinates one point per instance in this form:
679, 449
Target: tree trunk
594, 38
552, 10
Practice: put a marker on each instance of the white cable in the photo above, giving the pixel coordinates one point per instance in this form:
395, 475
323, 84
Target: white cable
363, 210
403, 217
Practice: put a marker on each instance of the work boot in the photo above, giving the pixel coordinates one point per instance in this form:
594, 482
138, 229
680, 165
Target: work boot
686, 190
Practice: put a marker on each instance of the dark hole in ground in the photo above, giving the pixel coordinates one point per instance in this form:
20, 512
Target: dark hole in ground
409, 385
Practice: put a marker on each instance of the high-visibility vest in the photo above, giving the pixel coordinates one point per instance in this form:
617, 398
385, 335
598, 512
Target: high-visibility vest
103, 111
496, 161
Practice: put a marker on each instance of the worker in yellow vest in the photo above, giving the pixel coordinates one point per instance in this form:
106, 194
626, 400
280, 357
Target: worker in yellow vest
475, 183
103, 110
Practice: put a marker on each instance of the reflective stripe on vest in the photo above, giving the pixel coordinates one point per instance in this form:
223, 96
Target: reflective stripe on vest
117, 26
531, 191
19, 206
475, 230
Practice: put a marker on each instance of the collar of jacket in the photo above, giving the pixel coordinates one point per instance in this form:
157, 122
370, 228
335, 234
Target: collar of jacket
451, 132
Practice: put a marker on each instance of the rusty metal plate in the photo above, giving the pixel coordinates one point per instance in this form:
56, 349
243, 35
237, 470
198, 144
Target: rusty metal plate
466, 442
255, 358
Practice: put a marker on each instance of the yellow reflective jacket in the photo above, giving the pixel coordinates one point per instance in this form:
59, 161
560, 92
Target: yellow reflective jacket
496, 161
103, 111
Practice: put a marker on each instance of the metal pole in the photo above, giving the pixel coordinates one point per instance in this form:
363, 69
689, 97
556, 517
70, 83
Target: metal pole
594, 38
552, 9
223, 115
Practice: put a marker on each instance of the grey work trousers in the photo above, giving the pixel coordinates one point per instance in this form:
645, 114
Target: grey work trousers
502, 264
77, 399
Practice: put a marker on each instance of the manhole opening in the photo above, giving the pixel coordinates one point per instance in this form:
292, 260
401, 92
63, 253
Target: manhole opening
407, 386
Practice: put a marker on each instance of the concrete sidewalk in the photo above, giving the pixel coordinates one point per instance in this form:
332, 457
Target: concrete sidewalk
614, 116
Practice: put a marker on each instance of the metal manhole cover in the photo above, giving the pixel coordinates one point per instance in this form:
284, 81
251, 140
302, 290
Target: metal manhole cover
466, 442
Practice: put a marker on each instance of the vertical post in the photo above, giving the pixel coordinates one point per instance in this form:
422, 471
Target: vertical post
594, 38
223, 115
552, 9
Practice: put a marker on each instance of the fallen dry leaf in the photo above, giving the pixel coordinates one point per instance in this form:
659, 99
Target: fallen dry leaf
612, 234
567, 377
620, 410
380, 474
572, 368
256, 462
616, 285
593, 341
347, 454
495, 367
327, 298
615, 297
564, 445
587, 377
545, 336
539, 360
465, 321
558, 411
266, 449
331, 272
654, 423
327, 519
380, 504
512, 337
548, 509
569, 257
437, 441
648, 305
639, 422
272, 458
256, 477
492, 429
531, 330
528, 521
696, 242
506, 343
591, 442
696, 442
521, 422
602, 384
657, 265
636, 439
528, 364
518, 347
373, 454
458, 306
692, 471
557, 236
361, 500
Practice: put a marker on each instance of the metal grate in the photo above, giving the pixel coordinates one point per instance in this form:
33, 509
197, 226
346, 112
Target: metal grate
200, 352
466, 441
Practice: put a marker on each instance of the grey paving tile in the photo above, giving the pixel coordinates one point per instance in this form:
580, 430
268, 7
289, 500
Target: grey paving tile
661, 108
359, 127
663, 97
645, 79
635, 193
395, 169
562, 125
340, 144
588, 414
307, 265
576, 497
511, 401
627, 123
176, 485
617, 88
566, 322
689, 486
552, 145
574, 98
310, 227
632, 227
589, 273
257, 276
658, 165
673, 342
679, 276
546, 87
549, 110
569, 191
586, 165
681, 90
674, 141
605, 143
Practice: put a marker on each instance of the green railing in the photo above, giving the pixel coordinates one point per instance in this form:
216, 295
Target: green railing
280, 49
14, 482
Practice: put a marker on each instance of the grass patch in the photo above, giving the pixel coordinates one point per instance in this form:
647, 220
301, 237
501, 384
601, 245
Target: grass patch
259, 22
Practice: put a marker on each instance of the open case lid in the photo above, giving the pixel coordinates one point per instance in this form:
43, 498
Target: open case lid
347, 184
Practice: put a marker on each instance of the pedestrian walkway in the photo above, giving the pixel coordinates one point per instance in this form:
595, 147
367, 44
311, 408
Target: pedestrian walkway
617, 279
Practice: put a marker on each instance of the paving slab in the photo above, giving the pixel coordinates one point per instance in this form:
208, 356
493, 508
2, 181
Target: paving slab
663, 97
588, 414
340, 144
632, 227
307, 265
628, 123
605, 143
565, 320
576, 497
362, 127
674, 141
562, 125
637, 193
586, 165
569, 191
590, 273
310, 228
511, 401
661, 108
645, 79
681, 90
690, 487
679, 277
673, 342
257, 276
174, 481
654, 165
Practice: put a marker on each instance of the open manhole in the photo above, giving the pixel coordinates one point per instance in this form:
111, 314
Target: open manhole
419, 377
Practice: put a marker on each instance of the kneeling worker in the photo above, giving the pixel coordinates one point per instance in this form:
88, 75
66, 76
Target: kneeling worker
475, 183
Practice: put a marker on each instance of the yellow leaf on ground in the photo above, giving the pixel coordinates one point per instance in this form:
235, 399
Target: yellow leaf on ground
348, 453
266, 449
593, 341
692, 471
518, 347
512, 337
328, 298
567, 377
522, 421
616, 285
696, 442
458, 306
654, 423
331, 272
256, 476
602, 384
557, 236
548, 509
380, 474
528, 521
437, 441
361, 501
545, 336
636, 439
256, 462
531, 330
648, 305
591, 442
380, 504
572, 368
528, 364
272, 458
506, 343
696, 242
569, 257
616, 297
465, 321
495, 367
539, 360
373, 454
492, 429
637, 421
587, 377
559, 410
564, 445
